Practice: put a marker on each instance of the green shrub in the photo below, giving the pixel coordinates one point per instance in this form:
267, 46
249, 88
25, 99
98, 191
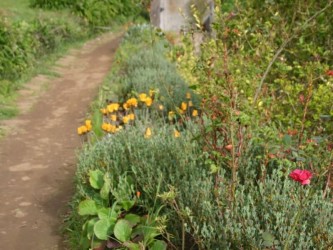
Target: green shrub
23, 43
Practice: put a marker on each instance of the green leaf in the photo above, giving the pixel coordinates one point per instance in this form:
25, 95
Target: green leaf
108, 214
97, 120
158, 245
96, 178
90, 227
268, 236
123, 230
103, 229
287, 140
127, 204
105, 191
133, 219
87, 207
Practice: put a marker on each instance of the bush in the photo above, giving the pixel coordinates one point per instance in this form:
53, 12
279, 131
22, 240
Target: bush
95, 12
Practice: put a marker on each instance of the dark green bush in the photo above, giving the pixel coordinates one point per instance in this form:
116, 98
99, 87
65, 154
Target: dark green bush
22, 43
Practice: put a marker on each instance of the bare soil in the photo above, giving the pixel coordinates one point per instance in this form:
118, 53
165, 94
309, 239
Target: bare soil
38, 154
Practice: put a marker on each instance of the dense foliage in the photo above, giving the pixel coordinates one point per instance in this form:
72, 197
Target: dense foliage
96, 12
214, 179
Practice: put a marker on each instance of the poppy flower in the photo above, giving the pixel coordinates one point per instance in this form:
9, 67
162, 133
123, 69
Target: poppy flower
132, 102
88, 125
195, 113
126, 119
148, 101
143, 97
113, 118
301, 176
183, 106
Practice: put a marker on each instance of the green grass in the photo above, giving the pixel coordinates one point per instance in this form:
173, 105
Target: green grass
20, 10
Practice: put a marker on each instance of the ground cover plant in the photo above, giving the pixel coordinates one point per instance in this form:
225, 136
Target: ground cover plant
249, 168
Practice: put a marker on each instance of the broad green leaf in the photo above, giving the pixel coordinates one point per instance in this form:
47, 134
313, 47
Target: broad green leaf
107, 213
102, 229
87, 207
127, 204
123, 230
105, 191
133, 219
96, 178
158, 245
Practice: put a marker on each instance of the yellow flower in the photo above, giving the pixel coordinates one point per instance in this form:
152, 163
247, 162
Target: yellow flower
82, 130
176, 133
132, 102
180, 111
126, 106
143, 97
112, 107
195, 113
131, 116
151, 92
112, 128
161, 107
171, 115
88, 125
148, 101
190, 104
113, 118
183, 106
126, 119
148, 133
104, 111
188, 95
105, 126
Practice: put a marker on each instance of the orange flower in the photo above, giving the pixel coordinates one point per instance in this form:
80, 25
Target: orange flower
138, 194
88, 125
113, 118
195, 113
82, 130
148, 133
228, 147
176, 133
109, 127
104, 111
183, 106
132, 102
126, 106
126, 119
131, 116
148, 101
112, 107
143, 97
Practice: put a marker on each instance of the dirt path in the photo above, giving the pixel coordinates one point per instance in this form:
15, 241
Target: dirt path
37, 158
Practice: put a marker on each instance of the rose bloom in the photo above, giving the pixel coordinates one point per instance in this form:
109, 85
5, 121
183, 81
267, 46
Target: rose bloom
301, 176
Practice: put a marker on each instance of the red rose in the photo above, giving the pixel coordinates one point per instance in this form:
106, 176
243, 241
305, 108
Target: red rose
301, 176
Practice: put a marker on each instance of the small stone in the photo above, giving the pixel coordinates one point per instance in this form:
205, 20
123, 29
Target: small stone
26, 178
